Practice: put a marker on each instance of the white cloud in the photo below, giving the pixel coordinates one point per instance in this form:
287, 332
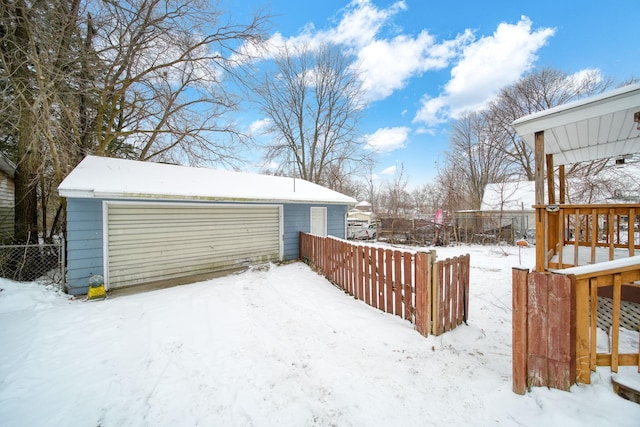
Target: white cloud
422, 130
391, 170
259, 127
485, 67
385, 58
583, 79
361, 23
386, 140
387, 65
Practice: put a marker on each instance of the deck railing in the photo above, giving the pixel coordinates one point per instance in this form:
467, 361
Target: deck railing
589, 280
572, 235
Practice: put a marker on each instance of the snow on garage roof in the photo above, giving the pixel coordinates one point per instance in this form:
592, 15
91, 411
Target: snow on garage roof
103, 177
589, 129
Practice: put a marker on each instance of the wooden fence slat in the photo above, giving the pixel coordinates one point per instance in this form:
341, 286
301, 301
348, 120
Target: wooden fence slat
437, 307
467, 279
388, 283
381, 275
441, 300
367, 274
352, 267
561, 348
538, 289
447, 294
357, 292
374, 277
456, 299
397, 282
334, 254
408, 278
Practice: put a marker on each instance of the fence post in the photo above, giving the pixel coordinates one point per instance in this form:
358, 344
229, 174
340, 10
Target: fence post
519, 329
423, 287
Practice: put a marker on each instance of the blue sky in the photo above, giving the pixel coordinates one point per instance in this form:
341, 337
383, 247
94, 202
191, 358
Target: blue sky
424, 62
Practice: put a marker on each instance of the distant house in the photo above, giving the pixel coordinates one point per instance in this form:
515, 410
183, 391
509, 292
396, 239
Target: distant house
361, 214
506, 211
511, 203
139, 222
7, 199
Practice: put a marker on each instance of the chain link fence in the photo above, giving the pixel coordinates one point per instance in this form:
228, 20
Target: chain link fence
43, 263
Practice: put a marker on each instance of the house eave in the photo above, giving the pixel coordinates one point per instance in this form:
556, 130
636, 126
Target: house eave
84, 194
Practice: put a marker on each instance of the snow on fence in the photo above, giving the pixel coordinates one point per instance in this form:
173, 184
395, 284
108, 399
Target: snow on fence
432, 294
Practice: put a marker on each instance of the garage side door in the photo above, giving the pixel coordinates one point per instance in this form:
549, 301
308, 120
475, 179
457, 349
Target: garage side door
148, 243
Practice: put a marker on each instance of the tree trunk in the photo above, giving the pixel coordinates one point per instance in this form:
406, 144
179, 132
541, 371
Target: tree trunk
27, 150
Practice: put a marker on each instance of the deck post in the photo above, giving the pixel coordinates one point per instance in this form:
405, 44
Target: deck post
541, 243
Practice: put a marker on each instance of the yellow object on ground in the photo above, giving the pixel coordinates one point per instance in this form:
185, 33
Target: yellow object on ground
96, 292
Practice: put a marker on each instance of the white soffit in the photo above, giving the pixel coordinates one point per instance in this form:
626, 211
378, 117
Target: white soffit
589, 129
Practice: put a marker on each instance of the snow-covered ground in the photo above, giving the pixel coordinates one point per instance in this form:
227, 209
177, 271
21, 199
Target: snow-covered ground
275, 346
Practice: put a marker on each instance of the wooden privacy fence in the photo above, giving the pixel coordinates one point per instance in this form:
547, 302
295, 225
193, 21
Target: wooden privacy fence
432, 294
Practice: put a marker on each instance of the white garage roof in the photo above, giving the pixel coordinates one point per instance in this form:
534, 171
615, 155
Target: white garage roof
589, 129
103, 177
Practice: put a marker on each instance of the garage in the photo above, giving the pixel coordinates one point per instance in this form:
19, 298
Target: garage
149, 242
137, 223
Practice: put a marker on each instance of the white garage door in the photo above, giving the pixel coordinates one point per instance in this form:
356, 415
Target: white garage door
158, 242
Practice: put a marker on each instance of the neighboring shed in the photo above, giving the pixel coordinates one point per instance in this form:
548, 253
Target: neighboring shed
140, 222
361, 213
506, 212
7, 199
513, 202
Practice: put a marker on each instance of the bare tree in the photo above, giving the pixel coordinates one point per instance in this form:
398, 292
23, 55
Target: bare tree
397, 199
38, 41
474, 157
141, 79
538, 91
162, 92
312, 99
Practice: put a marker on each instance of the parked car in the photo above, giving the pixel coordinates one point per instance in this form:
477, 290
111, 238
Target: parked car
361, 231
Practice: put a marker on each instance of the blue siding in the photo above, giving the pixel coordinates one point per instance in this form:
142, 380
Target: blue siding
297, 218
85, 243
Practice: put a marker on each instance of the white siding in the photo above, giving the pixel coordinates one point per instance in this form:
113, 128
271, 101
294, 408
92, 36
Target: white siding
7, 195
158, 242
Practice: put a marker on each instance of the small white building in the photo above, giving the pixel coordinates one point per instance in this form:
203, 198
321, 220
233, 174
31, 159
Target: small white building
361, 213
511, 203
